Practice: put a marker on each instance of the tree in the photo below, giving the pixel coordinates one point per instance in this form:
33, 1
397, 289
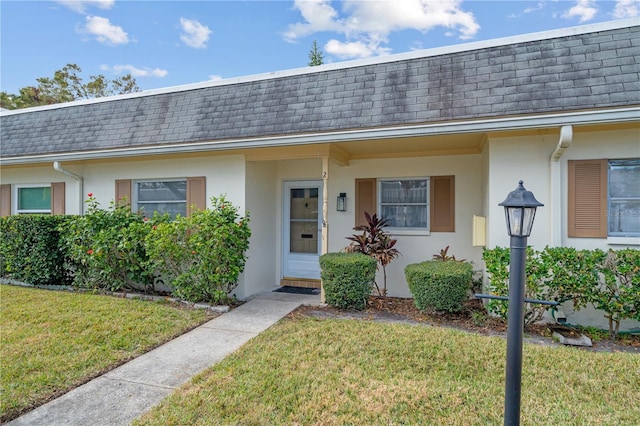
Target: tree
65, 86
315, 55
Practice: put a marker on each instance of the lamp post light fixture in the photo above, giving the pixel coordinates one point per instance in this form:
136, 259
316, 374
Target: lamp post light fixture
520, 210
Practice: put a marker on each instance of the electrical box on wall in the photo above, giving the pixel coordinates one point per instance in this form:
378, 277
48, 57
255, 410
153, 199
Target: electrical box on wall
479, 238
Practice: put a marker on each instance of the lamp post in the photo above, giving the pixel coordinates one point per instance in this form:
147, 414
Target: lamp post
520, 210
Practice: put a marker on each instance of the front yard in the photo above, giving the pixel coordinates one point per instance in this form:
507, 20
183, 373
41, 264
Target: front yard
334, 372
52, 341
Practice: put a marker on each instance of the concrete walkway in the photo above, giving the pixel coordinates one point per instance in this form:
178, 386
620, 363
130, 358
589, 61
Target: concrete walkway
121, 395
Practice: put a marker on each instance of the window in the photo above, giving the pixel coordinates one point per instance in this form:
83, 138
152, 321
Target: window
166, 196
32, 199
604, 198
404, 202
422, 204
173, 196
623, 210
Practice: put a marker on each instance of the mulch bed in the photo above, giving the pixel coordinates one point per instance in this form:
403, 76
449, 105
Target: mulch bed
472, 318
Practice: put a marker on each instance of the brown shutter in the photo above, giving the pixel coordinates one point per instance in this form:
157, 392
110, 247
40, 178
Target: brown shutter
442, 203
196, 194
123, 192
587, 198
365, 199
5, 200
57, 198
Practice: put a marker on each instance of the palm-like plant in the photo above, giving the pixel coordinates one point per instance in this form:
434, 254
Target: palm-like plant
375, 242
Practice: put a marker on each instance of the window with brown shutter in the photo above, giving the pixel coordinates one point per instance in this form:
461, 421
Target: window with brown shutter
196, 194
57, 198
587, 193
123, 192
365, 199
412, 192
173, 196
442, 204
5, 200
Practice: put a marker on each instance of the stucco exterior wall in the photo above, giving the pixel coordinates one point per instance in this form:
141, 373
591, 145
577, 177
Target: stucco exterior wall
42, 175
261, 189
528, 158
414, 248
513, 159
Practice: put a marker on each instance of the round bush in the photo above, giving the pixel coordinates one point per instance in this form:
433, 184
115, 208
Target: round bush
437, 285
347, 279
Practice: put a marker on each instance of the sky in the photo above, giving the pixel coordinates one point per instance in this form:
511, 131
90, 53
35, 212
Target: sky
170, 43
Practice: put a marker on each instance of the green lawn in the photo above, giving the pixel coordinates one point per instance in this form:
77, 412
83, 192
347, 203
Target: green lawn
334, 372
52, 341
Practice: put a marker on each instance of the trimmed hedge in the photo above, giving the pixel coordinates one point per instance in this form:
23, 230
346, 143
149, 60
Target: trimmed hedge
347, 279
31, 249
442, 286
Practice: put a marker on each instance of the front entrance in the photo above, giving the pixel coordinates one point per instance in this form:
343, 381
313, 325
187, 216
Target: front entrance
302, 229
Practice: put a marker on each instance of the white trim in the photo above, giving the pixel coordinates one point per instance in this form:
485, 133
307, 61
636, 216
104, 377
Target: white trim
306, 259
623, 241
16, 196
404, 230
619, 115
134, 195
464, 47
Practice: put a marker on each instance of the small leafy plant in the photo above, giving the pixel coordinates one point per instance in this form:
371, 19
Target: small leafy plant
202, 256
107, 248
375, 242
445, 257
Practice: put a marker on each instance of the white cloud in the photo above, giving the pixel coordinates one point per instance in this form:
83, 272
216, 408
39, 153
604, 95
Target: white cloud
215, 77
194, 33
626, 9
81, 5
104, 31
531, 9
583, 9
134, 71
355, 49
366, 25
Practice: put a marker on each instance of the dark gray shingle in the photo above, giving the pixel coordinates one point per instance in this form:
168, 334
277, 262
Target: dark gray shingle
582, 71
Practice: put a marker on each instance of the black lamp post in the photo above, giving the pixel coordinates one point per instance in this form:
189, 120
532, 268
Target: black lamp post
520, 210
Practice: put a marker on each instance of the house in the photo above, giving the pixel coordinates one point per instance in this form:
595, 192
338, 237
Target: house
432, 140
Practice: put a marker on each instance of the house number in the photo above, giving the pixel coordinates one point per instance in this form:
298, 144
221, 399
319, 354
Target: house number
324, 175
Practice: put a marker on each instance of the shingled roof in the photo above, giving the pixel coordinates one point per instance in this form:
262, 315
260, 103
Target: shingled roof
574, 72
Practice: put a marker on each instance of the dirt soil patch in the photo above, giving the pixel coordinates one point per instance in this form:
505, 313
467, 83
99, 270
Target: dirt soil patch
473, 318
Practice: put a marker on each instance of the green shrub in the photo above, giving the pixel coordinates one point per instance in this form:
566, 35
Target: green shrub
610, 281
31, 250
347, 279
442, 286
107, 248
202, 256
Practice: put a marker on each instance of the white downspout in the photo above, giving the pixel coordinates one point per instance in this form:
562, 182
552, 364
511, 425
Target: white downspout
555, 186
58, 168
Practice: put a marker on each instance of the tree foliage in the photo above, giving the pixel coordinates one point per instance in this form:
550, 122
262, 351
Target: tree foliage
375, 242
315, 55
67, 85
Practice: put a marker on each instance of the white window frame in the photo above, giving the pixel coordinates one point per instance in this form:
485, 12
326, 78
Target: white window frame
137, 204
619, 235
16, 197
405, 230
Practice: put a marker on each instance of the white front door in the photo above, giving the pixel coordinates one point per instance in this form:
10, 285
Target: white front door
302, 227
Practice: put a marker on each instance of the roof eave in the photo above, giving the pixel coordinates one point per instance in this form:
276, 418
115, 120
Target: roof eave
606, 116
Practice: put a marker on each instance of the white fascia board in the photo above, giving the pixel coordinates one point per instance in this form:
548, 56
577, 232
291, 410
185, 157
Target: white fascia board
621, 115
417, 54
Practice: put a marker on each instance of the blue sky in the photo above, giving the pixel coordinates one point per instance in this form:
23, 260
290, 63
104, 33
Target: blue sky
169, 43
